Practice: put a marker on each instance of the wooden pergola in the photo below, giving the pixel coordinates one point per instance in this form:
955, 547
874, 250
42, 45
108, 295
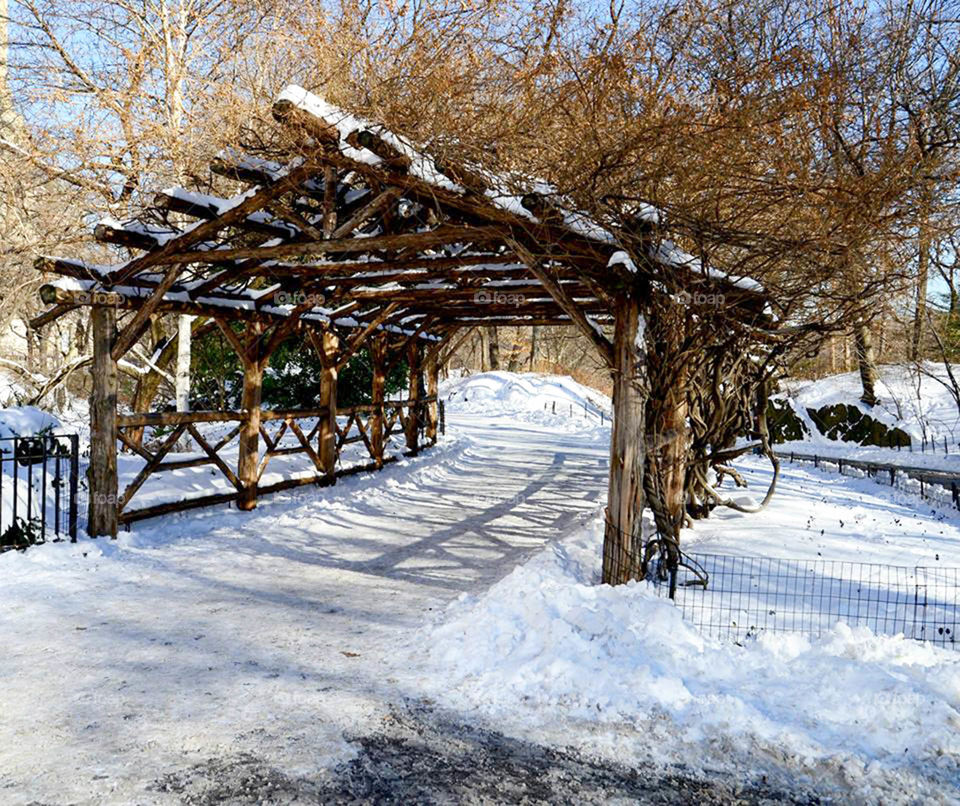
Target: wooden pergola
358, 238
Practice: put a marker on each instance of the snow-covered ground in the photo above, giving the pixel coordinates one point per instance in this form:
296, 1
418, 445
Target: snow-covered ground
919, 403
465, 581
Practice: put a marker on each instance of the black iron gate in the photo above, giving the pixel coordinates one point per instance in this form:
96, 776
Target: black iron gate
39, 481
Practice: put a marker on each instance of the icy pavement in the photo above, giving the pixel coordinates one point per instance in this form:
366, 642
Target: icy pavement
273, 633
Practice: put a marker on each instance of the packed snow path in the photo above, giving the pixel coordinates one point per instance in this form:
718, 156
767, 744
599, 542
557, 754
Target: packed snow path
288, 655
270, 633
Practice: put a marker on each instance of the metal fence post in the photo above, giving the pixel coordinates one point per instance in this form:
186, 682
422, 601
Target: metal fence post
74, 484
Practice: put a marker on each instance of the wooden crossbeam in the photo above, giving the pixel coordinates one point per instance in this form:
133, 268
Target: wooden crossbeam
208, 229
134, 329
416, 241
566, 303
357, 341
177, 204
150, 466
214, 457
379, 203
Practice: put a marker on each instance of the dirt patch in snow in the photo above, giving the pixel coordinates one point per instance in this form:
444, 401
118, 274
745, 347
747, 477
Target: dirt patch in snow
419, 757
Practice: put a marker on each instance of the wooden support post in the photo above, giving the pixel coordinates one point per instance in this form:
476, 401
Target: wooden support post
102, 471
412, 425
249, 455
622, 543
432, 372
378, 357
329, 345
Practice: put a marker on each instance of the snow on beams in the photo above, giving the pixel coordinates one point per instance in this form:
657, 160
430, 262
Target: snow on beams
69, 291
201, 205
670, 254
240, 208
513, 320
444, 235
371, 144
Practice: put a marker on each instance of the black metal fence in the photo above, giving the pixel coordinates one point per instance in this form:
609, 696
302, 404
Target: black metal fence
39, 480
739, 598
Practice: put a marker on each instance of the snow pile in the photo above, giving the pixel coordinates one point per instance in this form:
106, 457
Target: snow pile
547, 648
556, 396
26, 421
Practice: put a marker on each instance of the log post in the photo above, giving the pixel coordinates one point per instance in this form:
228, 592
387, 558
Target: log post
378, 358
674, 455
432, 371
249, 454
329, 345
102, 471
412, 425
622, 543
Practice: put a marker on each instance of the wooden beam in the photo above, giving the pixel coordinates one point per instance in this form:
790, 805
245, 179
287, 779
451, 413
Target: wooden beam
51, 315
208, 212
102, 470
248, 458
328, 345
329, 201
431, 371
357, 341
568, 305
144, 419
134, 329
208, 229
130, 238
238, 344
412, 424
415, 241
378, 358
502, 265
367, 211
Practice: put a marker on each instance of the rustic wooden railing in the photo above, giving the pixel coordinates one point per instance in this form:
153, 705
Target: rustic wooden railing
370, 424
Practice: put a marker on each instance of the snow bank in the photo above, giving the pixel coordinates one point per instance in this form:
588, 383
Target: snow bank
513, 392
548, 646
920, 404
25, 421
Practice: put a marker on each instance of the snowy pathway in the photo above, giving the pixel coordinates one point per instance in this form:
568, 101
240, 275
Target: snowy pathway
273, 633
236, 657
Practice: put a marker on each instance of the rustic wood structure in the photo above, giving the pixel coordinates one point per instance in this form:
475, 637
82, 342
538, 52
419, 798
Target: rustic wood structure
356, 237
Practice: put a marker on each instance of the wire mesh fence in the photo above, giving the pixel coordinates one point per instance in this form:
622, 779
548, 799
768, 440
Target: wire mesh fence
739, 597
39, 480
744, 597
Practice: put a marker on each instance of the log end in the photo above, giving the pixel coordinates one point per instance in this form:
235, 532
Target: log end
283, 111
532, 203
48, 293
288, 113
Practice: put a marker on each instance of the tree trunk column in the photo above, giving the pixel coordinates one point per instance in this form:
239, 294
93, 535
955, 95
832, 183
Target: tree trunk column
249, 454
622, 543
378, 357
432, 372
328, 399
102, 471
866, 362
412, 425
